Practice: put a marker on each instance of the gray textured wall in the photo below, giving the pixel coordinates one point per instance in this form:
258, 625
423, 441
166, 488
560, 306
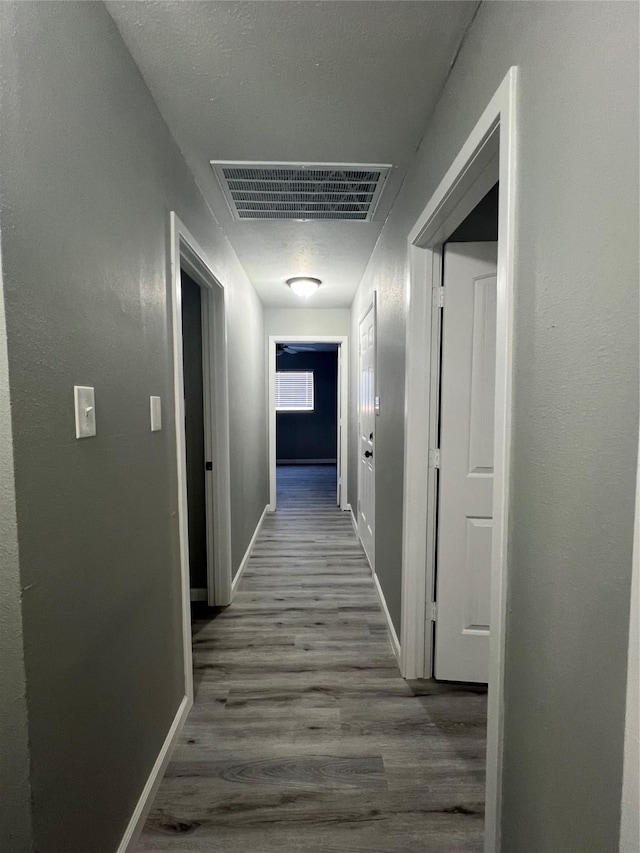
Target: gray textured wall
89, 175
576, 398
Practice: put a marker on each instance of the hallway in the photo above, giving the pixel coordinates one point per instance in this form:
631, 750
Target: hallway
198, 196
303, 736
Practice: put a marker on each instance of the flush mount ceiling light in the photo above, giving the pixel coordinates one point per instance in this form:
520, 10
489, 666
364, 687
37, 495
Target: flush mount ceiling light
304, 286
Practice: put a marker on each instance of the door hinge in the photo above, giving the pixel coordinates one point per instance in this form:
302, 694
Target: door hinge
438, 297
434, 458
433, 611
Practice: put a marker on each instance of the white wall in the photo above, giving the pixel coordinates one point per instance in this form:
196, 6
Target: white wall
306, 321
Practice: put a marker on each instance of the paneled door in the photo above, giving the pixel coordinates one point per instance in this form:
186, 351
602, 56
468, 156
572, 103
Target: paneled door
366, 420
465, 520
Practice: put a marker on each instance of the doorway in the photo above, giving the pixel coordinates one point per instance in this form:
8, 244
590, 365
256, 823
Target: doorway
201, 412
306, 416
200, 533
308, 395
488, 157
464, 387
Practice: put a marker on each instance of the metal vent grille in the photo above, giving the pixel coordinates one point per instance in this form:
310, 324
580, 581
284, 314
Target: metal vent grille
301, 191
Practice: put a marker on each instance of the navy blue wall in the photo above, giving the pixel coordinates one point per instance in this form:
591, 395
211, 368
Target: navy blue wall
303, 436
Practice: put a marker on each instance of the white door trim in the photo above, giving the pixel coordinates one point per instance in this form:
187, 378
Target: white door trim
489, 154
185, 253
342, 342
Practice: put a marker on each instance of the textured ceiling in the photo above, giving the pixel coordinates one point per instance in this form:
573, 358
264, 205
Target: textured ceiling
328, 81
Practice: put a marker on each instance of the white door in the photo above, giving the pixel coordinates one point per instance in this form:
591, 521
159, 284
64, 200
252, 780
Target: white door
366, 417
465, 520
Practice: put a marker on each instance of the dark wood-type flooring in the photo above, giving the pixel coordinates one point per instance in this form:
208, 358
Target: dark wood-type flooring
303, 735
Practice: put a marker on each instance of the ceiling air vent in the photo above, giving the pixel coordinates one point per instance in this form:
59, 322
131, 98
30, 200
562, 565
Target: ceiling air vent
301, 190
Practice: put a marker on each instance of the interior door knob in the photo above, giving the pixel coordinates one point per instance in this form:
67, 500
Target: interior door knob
368, 454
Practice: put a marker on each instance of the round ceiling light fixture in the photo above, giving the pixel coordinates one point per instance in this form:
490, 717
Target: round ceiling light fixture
304, 286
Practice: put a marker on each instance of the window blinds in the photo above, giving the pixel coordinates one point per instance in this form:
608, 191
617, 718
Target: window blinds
294, 391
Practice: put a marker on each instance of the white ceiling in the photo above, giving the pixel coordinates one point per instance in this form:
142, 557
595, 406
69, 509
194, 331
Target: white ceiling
348, 81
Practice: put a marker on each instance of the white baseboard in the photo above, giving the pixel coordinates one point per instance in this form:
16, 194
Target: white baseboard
245, 559
139, 816
393, 637
197, 594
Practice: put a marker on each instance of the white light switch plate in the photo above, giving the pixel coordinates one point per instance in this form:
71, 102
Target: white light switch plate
85, 409
155, 407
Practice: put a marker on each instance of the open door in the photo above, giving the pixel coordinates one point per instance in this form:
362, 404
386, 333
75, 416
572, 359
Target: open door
465, 506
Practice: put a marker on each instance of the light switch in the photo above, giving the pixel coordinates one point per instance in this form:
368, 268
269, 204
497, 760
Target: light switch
85, 407
156, 413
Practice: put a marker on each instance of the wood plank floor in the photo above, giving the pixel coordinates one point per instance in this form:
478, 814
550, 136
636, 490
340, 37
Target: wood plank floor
303, 735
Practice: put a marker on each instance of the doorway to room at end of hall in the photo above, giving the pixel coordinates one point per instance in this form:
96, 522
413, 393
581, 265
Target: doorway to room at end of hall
307, 423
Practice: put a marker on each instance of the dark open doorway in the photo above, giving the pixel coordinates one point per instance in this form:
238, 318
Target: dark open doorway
306, 412
192, 358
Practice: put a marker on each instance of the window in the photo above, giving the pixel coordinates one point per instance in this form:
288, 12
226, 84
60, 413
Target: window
294, 391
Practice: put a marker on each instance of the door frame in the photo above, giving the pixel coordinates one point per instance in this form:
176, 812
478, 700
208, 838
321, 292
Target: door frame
488, 155
342, 342
186, 254
372, 305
